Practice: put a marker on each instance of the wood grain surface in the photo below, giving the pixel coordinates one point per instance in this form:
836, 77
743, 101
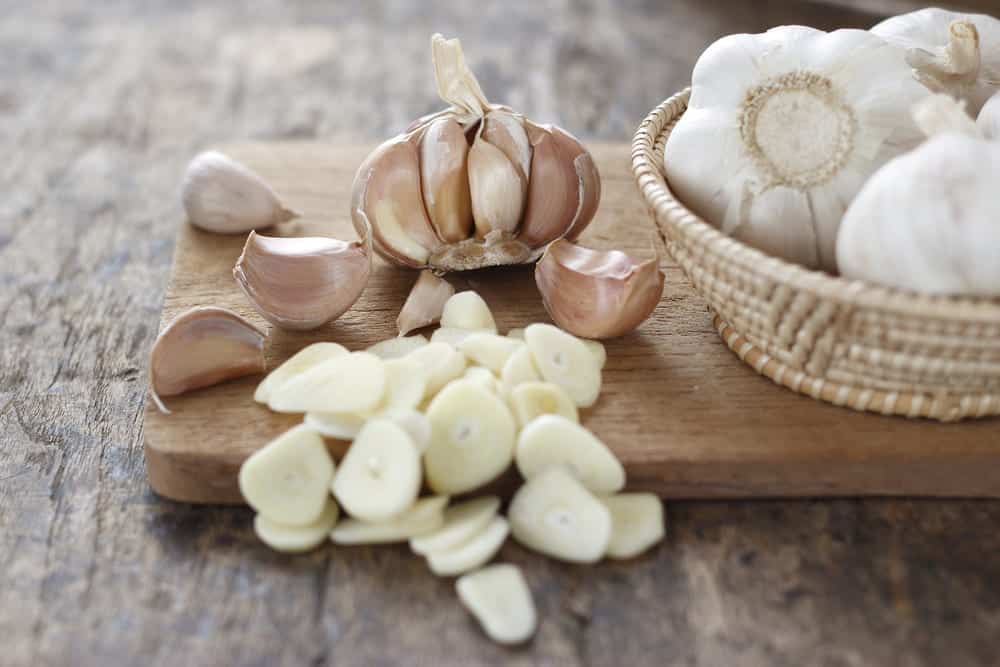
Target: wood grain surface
101, 106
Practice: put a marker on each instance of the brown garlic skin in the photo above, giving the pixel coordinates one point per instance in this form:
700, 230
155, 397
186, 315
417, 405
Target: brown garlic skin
597, 293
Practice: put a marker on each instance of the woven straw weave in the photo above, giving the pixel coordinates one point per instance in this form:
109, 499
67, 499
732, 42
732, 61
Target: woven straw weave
835, 340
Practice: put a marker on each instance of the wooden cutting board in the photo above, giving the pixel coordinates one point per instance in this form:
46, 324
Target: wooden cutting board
686, 417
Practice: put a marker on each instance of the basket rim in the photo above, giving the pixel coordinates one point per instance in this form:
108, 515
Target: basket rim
668, 208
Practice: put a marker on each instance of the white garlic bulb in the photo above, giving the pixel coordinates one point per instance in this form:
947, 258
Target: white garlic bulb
783, 128
989, 118
927, 221
950, 52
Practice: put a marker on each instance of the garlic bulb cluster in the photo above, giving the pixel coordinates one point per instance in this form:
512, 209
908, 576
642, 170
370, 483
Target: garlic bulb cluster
783, 128
950, 52
475, 185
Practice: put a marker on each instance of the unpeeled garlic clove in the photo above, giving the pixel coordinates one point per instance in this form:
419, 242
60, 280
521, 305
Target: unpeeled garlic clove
597, 294
506, 131
590, 180
223, 196
425, 303
302, 283
201, 347
444, 152
554, 193
496, 188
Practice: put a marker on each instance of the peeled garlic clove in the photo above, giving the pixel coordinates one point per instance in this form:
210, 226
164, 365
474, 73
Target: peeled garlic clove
473, 554
461, 523
564, 360
554, 514
379, 476
302, 283
339, 425
201, 347
636, 523
297, 539
519, 368
554, 192
352, 383
425, 303
416, 425
425, 516
501, 601
496, 187
472, 438
589, 179
454, 336
529, 400
223, 196
489, 350
444, 152
483, 377
288, 480
467, 310
394, 348
301, 361
442, 362
597, 294
553, 440
506, 131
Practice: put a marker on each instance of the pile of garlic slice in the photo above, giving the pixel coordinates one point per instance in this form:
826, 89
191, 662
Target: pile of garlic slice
452, 413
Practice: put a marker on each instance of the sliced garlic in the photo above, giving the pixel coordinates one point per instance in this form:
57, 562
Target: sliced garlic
393, 348
467, 310
379, 476
520, 368
472, 438
597, 350
297, 539
442, 362
454, 336
354, 382
516, 333
475, 553
529, 400
489, 350
461, 523
339, 425
554, 514
553, 440
405, 385
288, 480
483, 377
500, 599
636, 523
425, 302
416, 425
301, 361
564, 360
425, 516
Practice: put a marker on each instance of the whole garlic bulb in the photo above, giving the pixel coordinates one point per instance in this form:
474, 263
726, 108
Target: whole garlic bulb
928, 220
989, 118
474, 185
950, 52
783, 128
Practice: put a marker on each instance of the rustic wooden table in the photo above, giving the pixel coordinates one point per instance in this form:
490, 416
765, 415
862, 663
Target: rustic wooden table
99, 111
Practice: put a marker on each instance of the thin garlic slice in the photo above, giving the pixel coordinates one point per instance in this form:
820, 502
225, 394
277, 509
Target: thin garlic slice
475, 553
393, 348
554, 514
297, 539
564, 360
354, 382
552, 440
467, 310
379, 476
442, 362
529, 400
298, 363
339, 425
454, 336
425, 516
596, 348
425, 304
461, 523
416, 425
489, 350
288, 480
472, 438
517, 333
499, 598
405, 385
483, 377
636, 523
519, 368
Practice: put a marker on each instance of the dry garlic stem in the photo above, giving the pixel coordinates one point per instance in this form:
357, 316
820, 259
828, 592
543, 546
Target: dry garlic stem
425, 303
201, 347
221, 195
597, 294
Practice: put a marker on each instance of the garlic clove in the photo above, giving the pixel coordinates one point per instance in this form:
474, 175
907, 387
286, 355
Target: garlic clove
352, 383
223, 196
519, 368
379, 476
497, 197
636, 523
590, 180
425, 303
467, 310
564, 360
506, 131
473, 554
500, 599
529, 400
394, 348
297, 539
423, 517
201, 347
444, 152
461, 523
554, 193
489, 350
483, 377
298, 363
288, 480
597, 294
338, 425
553, 440
442, 362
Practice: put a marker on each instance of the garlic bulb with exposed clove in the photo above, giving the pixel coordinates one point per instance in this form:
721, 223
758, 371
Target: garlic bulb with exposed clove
425, 303
201, 347
989, 118
223, 196
594, 293
475, 185
302, 283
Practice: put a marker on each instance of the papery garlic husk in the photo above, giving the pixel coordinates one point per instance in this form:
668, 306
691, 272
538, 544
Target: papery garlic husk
223, 196
425, 303
989, 119
474, 185
950, 52
302, 283
597, 293
782, 130
202, 347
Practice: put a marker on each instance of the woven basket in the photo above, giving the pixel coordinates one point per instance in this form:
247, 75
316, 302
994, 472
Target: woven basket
844, 342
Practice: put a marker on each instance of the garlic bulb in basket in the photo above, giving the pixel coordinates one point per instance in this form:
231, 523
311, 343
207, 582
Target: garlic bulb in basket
783, 128
928, 220
474, 185
950, 52
989, 118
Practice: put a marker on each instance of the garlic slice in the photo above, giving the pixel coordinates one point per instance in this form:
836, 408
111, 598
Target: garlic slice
301, 361
529, 400
500, 599
416, 425
564, 360
351, 383
590, 180
442, 362
405, 385
425, 303
454, 336
636, 523
297, 539
475, 553
489, 350
379, 476
467, 310
483, 377
496, 188
553, 440
425, 516
393, 348
461, 523
472, 438
288, 480
595, 346
519, 368
516, 333
338, 425
201, 347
